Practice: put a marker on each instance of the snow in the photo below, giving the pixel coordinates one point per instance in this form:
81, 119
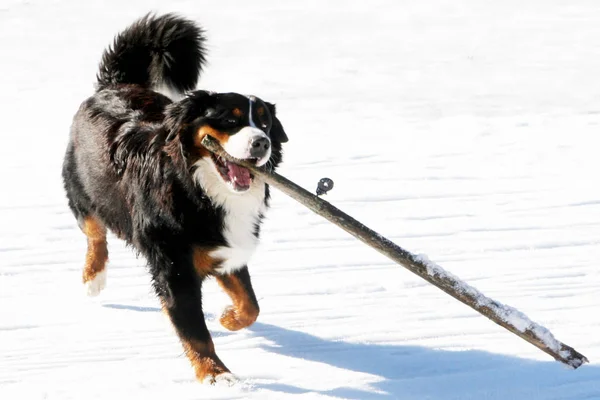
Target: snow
464, 130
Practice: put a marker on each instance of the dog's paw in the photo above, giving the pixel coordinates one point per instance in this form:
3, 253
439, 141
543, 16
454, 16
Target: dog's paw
234, 320
210, 370
220, 379
225, 379
94, 286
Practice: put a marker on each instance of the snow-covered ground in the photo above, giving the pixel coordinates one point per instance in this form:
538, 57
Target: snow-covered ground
464, 130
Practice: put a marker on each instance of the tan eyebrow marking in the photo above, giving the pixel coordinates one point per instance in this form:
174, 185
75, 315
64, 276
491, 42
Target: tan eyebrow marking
237, 112
260, 111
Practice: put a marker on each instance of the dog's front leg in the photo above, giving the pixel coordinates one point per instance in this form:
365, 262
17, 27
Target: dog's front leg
244, 310
179, 286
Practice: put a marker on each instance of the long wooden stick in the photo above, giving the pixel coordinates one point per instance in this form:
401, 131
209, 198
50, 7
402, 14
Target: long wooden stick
503, 315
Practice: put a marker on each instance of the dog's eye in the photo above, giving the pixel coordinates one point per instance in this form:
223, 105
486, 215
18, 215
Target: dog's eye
263, 122
230, 121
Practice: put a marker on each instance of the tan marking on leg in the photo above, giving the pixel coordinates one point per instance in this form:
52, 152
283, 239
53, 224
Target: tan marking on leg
202, 356
204, 360
203, 262
97, 250
243, 313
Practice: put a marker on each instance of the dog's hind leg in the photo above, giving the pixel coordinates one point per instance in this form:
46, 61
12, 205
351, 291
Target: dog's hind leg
94, 270
94, 273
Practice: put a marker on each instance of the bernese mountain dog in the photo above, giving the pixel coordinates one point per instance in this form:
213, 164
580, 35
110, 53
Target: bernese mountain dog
135, 165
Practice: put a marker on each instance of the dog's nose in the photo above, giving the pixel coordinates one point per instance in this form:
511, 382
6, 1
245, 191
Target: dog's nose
259, 147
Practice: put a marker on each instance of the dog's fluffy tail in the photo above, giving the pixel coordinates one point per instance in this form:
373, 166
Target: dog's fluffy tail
165, 54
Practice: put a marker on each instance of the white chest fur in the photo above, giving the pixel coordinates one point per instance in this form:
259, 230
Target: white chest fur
242, 213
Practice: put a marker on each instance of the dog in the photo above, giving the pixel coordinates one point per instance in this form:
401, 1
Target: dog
134, 165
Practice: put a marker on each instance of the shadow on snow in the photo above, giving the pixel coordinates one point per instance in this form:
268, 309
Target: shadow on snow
414, 372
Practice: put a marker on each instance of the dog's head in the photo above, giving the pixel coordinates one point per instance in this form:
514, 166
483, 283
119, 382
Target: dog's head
245, 126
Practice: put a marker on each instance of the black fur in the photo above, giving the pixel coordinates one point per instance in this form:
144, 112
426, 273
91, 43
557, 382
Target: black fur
153, 51
130, 161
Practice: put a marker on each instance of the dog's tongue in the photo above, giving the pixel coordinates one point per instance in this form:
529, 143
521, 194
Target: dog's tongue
240, 176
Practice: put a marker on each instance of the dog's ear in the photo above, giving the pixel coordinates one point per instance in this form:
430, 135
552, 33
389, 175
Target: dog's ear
181, 114
277, 132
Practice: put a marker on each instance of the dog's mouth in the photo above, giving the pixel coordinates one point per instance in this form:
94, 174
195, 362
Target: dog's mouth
238, 177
